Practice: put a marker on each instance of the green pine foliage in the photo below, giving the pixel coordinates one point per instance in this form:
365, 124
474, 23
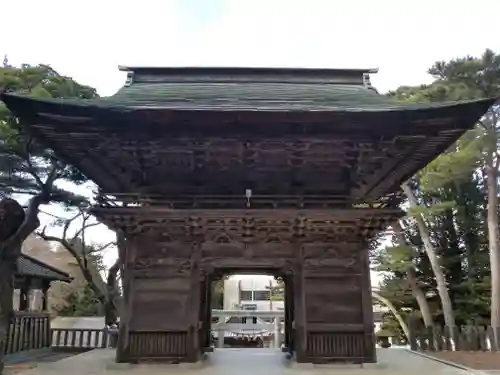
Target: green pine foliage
83, 302
25, 165
452, 193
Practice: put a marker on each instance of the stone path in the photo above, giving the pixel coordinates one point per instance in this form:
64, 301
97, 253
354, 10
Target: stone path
244, 362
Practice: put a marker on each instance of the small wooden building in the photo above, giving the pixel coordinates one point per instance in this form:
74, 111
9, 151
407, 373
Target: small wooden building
209, 171
32, 282
30, 325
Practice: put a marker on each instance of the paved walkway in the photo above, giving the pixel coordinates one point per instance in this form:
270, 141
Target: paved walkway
244, 362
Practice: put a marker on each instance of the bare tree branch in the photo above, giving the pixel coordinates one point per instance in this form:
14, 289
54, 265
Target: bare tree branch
108, 296
83, 268
49, 214
104, 247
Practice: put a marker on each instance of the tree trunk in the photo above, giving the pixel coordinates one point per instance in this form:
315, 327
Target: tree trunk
395, 312
416, 291
121, 245
442, 288
420, 297
112, 294
493, 236
15, 226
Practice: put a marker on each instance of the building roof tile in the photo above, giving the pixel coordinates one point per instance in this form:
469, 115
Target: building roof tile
32, 267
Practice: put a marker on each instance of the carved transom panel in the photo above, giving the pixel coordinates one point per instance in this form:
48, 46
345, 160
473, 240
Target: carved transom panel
226, 227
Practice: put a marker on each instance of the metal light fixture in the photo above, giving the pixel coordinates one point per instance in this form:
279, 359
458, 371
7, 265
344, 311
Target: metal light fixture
248, 194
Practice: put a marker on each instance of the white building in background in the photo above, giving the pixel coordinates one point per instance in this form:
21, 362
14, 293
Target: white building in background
251, 292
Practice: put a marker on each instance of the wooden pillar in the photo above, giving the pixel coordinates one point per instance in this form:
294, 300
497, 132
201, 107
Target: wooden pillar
289, 334
128, 248
287, 314
370, 353
299, 305
208, 313
194, 306
24, 295
202, 314
45, 296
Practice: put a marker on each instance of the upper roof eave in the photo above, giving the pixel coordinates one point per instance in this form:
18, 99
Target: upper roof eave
240, 70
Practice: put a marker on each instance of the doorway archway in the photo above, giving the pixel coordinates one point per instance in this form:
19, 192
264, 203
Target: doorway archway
254, 306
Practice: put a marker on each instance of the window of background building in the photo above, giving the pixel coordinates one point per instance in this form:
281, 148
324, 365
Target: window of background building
246, 295
255, 295
261, 295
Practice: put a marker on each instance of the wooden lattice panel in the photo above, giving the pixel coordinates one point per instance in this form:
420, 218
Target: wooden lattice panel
323, 347
158, 345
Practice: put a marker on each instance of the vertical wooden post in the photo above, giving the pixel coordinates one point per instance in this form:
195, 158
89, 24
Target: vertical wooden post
45, 296
208, 312
370, 354
291, 314
202, 317
193, 342
23, 295
123, 353
287, 312
300, 327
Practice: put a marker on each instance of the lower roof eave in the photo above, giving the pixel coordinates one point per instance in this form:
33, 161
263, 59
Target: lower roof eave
80, 111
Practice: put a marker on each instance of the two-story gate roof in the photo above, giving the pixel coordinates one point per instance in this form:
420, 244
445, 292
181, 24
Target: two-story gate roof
212, 134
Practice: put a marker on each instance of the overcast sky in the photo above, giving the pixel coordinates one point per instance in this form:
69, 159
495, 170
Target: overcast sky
88, 40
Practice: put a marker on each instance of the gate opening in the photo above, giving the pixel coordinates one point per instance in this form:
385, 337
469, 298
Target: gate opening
250, 310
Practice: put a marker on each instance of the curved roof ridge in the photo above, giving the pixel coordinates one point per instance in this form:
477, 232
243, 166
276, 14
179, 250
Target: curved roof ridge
241, 70
156, 75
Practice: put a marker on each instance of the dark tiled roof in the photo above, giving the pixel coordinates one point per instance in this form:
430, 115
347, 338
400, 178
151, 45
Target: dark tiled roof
235, 89
28, 266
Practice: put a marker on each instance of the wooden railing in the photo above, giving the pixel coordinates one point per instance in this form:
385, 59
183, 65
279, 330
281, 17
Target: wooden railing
466, 338
79, 340
28, 331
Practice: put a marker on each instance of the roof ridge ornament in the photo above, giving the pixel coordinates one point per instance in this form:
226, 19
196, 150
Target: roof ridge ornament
366, 80
130, 79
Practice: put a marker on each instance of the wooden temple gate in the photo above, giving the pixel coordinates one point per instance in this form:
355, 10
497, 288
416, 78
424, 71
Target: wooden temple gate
205, 170
168, 275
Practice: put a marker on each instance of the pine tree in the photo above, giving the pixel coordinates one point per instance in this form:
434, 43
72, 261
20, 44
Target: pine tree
29, 170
